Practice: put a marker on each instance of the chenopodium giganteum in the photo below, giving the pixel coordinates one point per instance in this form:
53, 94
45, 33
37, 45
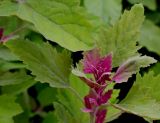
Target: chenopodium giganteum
101, 68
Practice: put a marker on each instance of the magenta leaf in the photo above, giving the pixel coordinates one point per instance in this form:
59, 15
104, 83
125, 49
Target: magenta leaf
91, 59
106, 96
89, 82
131, 66
99, 67
100, 116
92, 84
1, 32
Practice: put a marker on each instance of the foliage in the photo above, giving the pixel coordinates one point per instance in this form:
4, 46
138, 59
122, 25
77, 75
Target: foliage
143, 98
42, 78
122, 36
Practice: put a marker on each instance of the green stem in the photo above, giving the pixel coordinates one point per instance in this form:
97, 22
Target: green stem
91, 118
27, 101
77, 94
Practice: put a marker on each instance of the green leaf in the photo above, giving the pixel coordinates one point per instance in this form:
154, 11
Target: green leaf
6, 120
10, 24
18, 88
47, 96
143, 98
151, 4
8, 78
108, 10
121, 38
112, 113
51, 117
65, 22
22, 118
73, 102
5, 54
66, 118
44, 61
7, 65
8, 108
15, 83
150, 36
77, 84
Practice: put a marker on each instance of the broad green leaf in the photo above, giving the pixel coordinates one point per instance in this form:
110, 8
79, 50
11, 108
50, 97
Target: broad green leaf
8, 108
5, 54
8, 65
78, 85
150, 36
65, 22
6, 120
132, 66
15, 83
44, 61
108, 10
121, 38
62, 114
112, 113
18, 88
73, 102
8, 78
143, 98
151, 4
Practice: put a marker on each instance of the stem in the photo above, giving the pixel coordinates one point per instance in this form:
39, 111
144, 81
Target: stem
91, 118
27, 101
18, 29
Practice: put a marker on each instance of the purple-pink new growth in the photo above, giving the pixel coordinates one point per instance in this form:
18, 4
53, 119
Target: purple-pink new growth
101, 68
5, 38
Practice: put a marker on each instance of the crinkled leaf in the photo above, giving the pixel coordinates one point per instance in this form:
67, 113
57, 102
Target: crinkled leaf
151, 4
108, 10
44, 61
8, 108
150, 36
121, 38
65, 22
131, 66
143, 98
